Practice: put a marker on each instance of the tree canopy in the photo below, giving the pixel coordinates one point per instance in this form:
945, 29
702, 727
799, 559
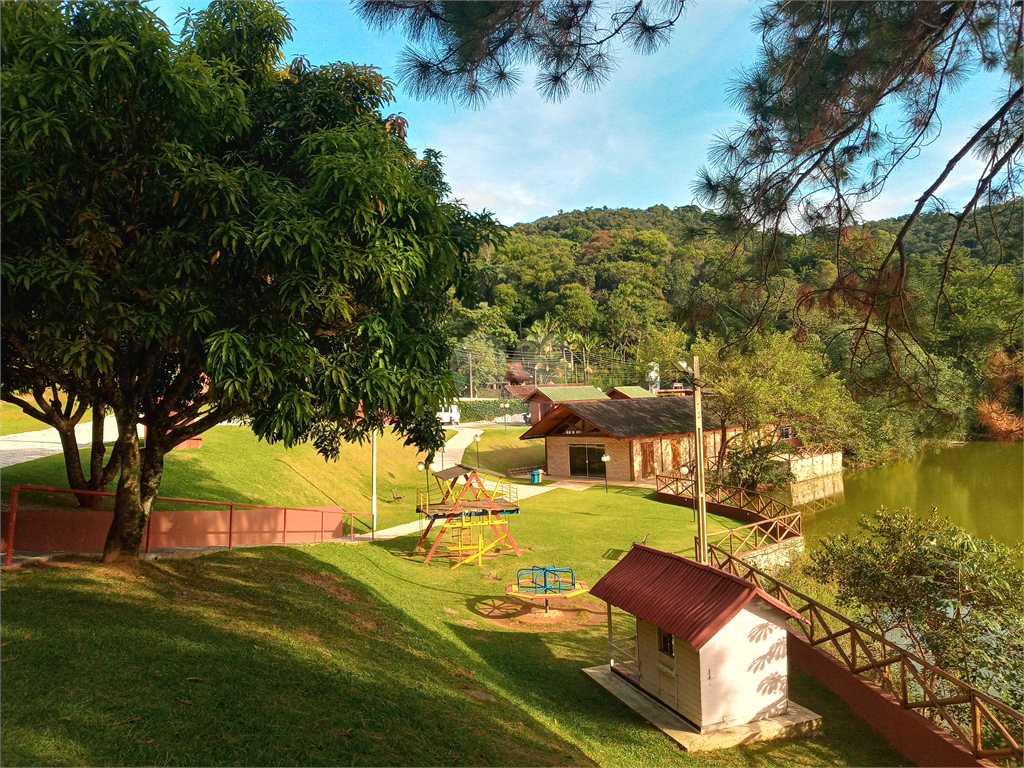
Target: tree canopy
195, 233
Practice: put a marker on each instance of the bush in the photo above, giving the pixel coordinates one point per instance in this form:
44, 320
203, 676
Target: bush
490, 410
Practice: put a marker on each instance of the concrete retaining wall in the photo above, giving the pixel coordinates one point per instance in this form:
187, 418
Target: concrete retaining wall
69, 530
806, 467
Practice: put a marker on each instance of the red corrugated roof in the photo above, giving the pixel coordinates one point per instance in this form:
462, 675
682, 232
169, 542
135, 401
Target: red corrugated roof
690, 600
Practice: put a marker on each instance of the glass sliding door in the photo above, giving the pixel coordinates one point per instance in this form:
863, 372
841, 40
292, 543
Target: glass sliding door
585, 460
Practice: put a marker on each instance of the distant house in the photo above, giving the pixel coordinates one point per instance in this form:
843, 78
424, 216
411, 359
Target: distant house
517, 391
628, 393
544, 398
642, 437
516, 373
709, 645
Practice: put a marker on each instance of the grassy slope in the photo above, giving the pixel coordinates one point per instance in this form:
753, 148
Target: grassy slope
13, 420
393, 663
233, 465
501, 450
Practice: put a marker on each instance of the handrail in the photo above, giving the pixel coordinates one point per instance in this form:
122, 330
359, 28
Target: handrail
779, 522
980, 721
229, 504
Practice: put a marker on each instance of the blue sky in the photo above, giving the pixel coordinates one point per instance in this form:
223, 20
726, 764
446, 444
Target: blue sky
637, 142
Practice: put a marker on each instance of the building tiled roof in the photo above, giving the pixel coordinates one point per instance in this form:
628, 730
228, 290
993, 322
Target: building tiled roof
563, 393
630, 392
627, 419
679, 595
522, 391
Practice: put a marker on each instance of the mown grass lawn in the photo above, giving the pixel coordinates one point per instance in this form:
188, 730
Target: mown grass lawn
502, 450
336, 655
14, 421
233, 465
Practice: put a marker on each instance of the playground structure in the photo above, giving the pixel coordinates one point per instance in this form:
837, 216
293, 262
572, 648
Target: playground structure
467, 509
544, 582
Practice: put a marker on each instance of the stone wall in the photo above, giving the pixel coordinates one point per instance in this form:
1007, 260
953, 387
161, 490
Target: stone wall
808, 466
775, 555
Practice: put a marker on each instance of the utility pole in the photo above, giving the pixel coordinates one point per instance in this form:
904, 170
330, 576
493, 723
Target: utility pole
702, 513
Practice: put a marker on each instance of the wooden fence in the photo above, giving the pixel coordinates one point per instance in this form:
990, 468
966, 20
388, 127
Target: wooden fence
986, 726
773, 521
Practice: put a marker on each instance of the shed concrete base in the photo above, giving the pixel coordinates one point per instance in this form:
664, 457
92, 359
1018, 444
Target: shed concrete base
796, 723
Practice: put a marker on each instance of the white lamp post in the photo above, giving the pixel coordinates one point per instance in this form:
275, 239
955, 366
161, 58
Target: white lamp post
422, 466
606, 458
504, 407
476, 439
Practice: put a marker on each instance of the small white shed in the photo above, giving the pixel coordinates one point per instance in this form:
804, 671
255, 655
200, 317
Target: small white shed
709, 645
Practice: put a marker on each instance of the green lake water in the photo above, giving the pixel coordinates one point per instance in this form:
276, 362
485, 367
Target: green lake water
979, 486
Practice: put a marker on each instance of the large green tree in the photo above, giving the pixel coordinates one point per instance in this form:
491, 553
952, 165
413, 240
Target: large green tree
953, 598
193, 233
773, 381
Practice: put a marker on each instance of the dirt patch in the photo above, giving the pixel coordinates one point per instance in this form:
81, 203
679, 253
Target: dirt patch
327, 583
473, 693
523, 614
468, 623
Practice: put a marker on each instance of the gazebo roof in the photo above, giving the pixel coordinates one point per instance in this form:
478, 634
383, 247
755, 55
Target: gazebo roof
688, 599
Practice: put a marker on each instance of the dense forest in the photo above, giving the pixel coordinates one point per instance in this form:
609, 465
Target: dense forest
598, 295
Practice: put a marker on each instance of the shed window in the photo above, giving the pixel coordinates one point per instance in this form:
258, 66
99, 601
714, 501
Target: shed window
665, 642
785, 432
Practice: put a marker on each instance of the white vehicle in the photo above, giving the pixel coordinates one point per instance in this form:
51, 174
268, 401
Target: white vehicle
449, 415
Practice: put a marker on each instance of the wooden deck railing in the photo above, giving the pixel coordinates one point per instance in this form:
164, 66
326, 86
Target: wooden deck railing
987, 726
754, 536
741, 498
778, 522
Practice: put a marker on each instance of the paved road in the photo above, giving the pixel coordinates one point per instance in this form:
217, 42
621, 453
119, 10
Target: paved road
26, 446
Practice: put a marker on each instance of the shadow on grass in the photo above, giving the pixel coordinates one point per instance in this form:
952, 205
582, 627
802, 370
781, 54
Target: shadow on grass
258, 657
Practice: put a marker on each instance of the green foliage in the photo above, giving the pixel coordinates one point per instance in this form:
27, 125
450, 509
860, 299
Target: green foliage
953, 598
753, 462
191, 234
775, 381
490, 410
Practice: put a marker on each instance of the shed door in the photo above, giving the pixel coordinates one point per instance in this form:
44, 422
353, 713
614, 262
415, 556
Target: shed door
647, 459
585, 460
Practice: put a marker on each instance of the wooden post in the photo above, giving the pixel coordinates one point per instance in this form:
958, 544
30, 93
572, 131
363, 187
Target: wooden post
975, 724
702, 512
611, 656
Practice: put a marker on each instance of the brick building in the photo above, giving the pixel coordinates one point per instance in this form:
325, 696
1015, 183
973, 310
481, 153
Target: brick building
642, 437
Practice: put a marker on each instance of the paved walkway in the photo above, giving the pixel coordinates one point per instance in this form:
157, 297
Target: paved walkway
26, 446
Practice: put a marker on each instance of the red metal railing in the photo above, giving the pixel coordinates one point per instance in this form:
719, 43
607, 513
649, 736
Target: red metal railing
231, 507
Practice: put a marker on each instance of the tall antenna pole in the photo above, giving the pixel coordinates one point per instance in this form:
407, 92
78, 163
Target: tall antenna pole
702, 512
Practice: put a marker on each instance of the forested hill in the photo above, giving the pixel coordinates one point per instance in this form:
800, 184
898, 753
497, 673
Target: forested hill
931, 232
580, 225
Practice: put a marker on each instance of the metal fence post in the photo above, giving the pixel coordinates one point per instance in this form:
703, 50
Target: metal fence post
10, 526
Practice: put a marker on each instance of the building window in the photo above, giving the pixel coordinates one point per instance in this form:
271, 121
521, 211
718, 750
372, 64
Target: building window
585, 460
785, 432
665, 642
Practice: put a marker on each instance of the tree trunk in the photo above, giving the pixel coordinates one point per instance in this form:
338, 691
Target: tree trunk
96, 453
141, 472
73, 461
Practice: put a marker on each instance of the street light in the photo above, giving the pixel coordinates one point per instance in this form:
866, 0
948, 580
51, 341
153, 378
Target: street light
606, 458
476, 439
504, 407
698, 434
422, 466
